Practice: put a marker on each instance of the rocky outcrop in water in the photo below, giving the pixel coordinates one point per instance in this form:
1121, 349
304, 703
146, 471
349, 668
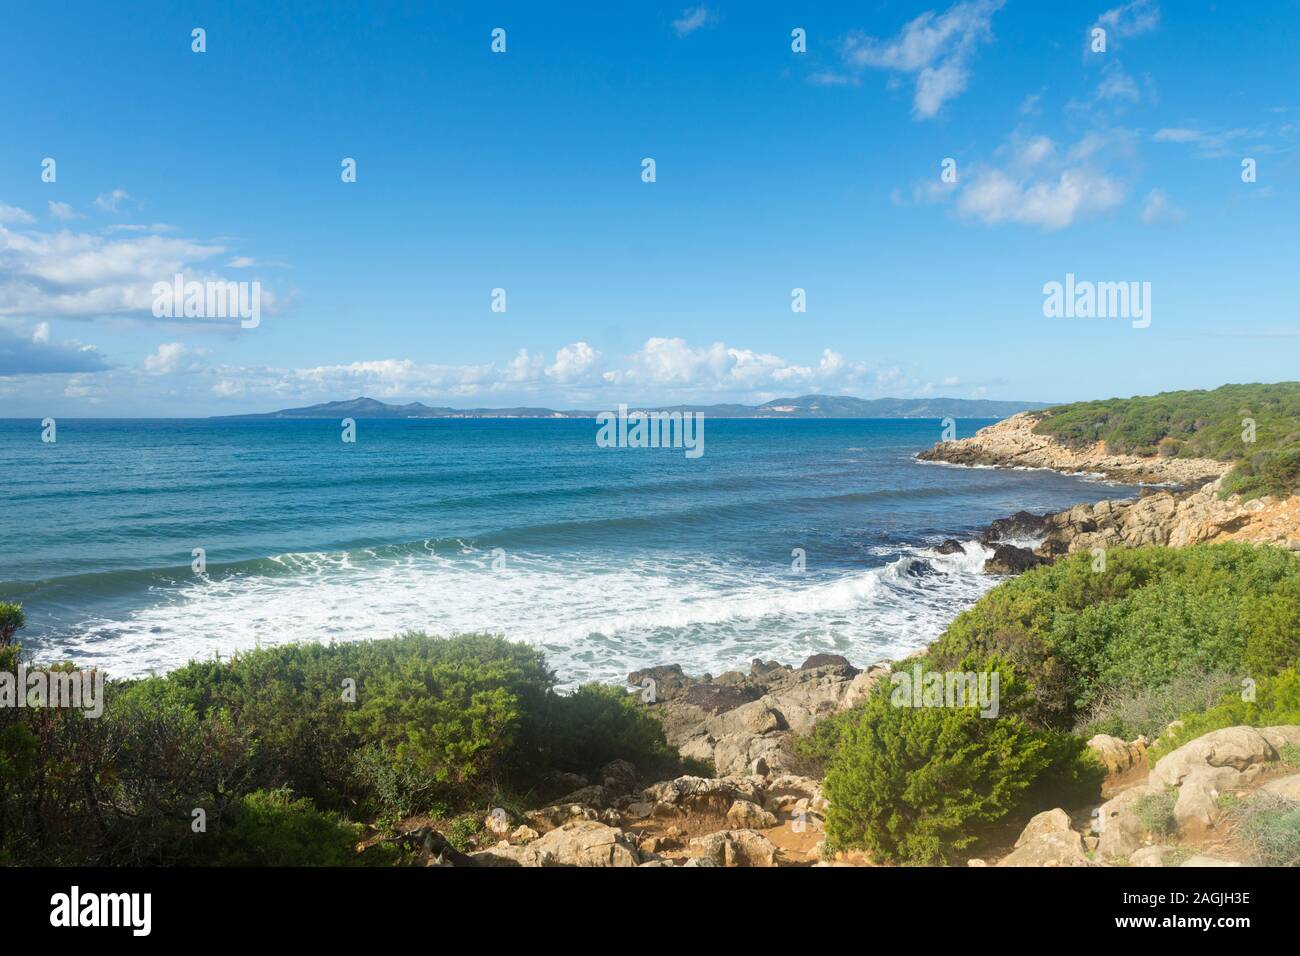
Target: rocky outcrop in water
1012, 443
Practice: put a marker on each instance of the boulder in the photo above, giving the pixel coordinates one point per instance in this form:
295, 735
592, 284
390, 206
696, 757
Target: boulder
739, 848
1116, 755
1048, 840
951, 546
548, 818
1149, 856
744, 815
1120, 832
587, 843
618, 777
1009, 559
1243, 749
826, 660
1203, 860
1287, 787
719, 698
669, 681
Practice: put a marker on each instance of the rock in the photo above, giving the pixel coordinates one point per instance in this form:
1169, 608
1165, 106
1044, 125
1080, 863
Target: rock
1149, 856
1242, 749
1197, 809
523, 834
1287, 787
548, 818
587, 843
699, 861
734, 725
862, 685
657, 862
1115, 754
1120, 830
669, 682
1202, 860
1013, 442
618, 777
503, 854
434, 848
1048, 840
976, 861
744, 815
739, 848
759, 767
763, 720
698, 793
1009, 559
716, 699
1022, 524
951, 546
826, 660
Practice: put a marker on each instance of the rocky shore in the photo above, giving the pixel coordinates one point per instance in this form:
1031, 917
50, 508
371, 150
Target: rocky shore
761, 808
761, 804
1187, 510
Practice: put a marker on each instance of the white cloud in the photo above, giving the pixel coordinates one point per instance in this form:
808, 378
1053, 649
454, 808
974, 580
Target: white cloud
109, 202
574, 363
994, 197
935, 48
62, 211
242, 262
41, 334
1131, 19
172, 357
1035, 182
90, 275
692, 19
15, 216
1157, 210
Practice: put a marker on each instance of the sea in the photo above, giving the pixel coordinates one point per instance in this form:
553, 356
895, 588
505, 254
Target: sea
139, 545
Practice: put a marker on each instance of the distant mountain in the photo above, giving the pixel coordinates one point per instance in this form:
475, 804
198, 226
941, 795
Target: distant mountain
806, 406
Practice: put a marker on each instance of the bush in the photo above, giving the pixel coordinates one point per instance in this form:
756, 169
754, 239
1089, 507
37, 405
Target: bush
11, 621
921, 784
598, 723
1272, 626
1155, 811
1153, 617
1148, 711
271, 828
1270, 826
1197, 424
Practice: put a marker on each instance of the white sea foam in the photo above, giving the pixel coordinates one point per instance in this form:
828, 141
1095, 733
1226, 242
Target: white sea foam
592, 622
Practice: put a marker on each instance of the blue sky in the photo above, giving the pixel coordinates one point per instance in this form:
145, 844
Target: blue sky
774, 170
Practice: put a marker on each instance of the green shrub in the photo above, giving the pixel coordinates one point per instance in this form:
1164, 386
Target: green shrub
11, 621
598, 723
1269, 826
271, 828
1272, 624
1153, 617
921, 784
1197, 424
1155, 811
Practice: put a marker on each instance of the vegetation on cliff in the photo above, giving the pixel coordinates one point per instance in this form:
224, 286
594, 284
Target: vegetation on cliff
284, 749
1079, 651
1252, 425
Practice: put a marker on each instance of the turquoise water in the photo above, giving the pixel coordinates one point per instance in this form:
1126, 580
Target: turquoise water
608, 558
